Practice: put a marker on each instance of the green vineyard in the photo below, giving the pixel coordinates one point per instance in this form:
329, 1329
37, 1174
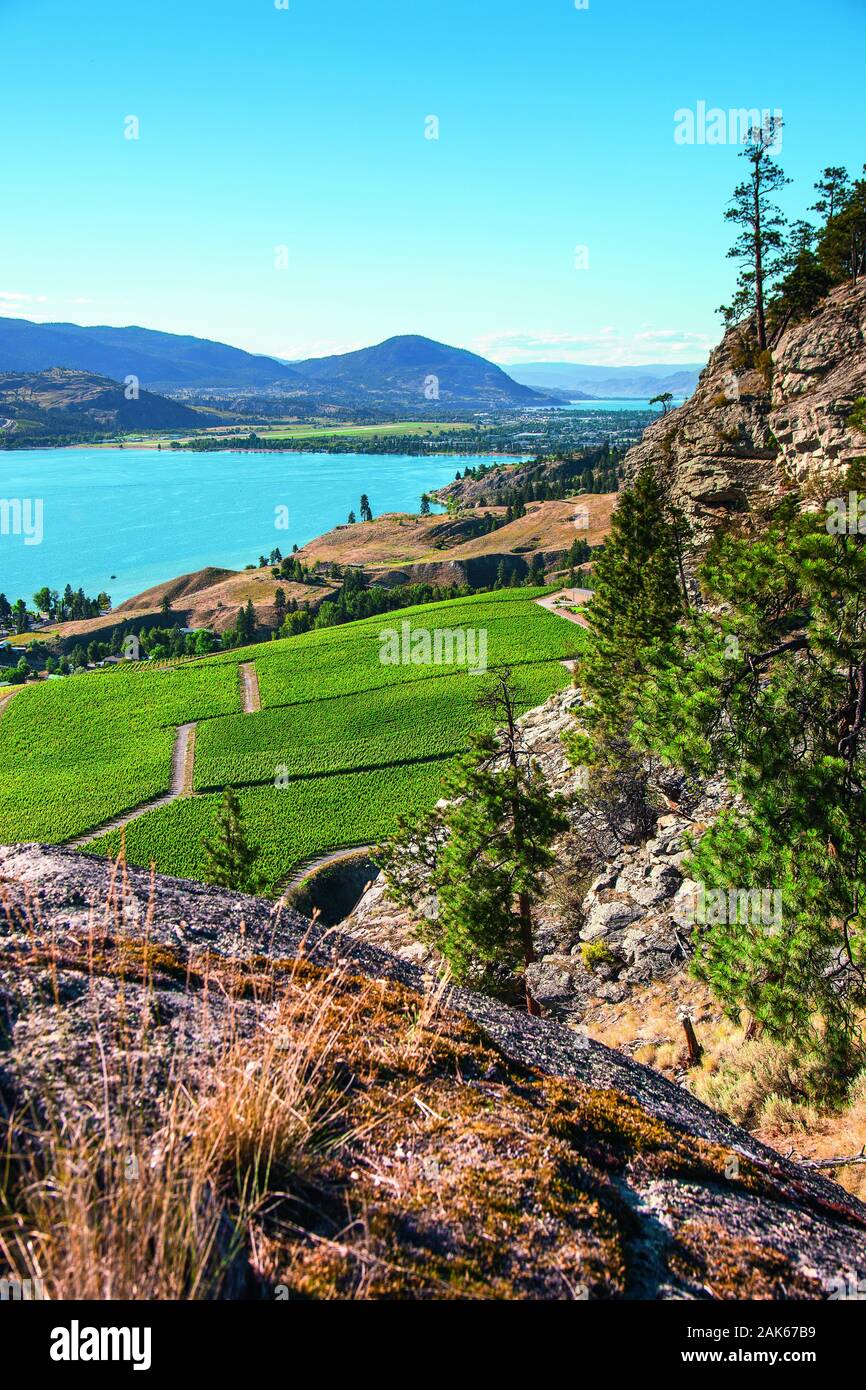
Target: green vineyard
344, 742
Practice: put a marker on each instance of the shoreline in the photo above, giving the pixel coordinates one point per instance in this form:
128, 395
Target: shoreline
219, 563
324, 453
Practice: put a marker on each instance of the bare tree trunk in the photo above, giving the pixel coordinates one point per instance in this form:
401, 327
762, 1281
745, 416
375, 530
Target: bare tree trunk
524, 907
694, 1047
759, 262
678, 541
529, 956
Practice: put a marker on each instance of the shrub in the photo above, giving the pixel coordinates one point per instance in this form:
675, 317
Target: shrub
595, 954
761, 1071
857, 418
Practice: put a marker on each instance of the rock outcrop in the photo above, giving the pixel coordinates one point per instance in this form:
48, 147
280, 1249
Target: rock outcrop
630, 910
755, 428
474, 1151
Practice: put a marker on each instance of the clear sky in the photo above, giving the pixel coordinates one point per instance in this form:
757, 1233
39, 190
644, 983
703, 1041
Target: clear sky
304, 127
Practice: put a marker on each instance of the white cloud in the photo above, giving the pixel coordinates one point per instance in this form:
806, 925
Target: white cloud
607, 347
16, 304
316, 347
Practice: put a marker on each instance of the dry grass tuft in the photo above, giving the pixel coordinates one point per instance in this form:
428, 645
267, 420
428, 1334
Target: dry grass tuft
785, 1100
204, 1126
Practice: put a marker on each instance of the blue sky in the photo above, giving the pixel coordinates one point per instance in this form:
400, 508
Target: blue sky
304, 128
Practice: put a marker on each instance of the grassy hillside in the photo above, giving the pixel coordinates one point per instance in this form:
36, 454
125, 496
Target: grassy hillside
394, 539
354, 741
64, 404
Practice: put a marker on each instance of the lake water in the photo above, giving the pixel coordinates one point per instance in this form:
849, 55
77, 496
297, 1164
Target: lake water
146, 515
618, 403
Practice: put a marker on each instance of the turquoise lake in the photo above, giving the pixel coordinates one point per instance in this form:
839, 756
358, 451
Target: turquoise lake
146, 516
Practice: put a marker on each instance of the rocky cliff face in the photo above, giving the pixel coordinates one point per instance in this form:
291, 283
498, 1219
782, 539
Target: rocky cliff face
471, 1151
754, 430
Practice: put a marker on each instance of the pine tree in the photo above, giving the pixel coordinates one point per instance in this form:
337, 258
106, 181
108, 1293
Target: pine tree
638, 597
579, 553
425, 505
842, 243
760, 241
229, 857
769, 685
804, 284
365, 511
536, 571
833, 187
483, 853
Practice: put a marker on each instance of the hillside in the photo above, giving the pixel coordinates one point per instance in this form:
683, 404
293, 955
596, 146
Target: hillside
397, 549
419, 1145
750, 432
326, 741
211, 597
399, 369
497, 483
161, 361
208, 598
64, 401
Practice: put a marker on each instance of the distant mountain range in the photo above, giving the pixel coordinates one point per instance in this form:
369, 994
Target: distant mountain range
414, 368
404, 371
161, 361
581, 381
407, 371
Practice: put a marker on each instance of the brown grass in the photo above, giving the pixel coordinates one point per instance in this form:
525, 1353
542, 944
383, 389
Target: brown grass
773, 1091
206, 1126
167, 1204
396, 539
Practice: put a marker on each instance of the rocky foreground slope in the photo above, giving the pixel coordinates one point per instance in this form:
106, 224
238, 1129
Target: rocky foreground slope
756, 427
464, 1149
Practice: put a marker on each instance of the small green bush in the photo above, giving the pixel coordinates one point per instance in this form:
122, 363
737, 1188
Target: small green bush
595, 954
857, 418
